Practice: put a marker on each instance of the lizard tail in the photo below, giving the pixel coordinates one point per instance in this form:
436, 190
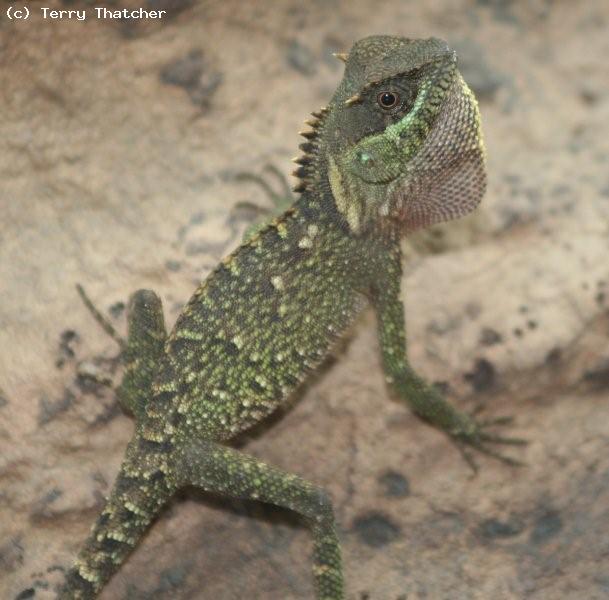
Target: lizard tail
140, 491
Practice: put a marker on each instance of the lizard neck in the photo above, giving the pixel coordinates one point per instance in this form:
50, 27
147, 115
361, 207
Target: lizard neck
318, 203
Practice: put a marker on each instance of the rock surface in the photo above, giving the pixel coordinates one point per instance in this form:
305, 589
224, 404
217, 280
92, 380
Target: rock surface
121, 142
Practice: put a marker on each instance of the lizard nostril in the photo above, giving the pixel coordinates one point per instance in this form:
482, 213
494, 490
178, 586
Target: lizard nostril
365, 159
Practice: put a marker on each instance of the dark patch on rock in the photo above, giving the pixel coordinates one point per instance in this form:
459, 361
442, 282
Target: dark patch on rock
395, 484
192, 73
51, 409
376, 529
598, 376
518, 332
300, 58
109, 412
54, 568
444, 523
562, 190
531, 324
600, 298
133, 28
42, 508
589, 95
27, 593
117, 309
11, 556
483, 376
91, 379
473, 310
514, 180
603, 582
491, 529
41, 583
490, 337
172, 579
67, 340
501, 10
3, 399
546, 527
173, 265
173, 7
177, 307
196, 218
437, 327
554, 356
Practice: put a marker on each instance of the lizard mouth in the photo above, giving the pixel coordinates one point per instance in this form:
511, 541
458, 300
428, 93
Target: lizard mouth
360, 198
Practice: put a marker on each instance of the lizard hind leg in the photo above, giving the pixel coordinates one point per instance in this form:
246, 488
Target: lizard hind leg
144, 350
141, 489
141, 351
226, 471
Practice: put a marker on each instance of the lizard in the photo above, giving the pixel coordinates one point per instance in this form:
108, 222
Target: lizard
399, 147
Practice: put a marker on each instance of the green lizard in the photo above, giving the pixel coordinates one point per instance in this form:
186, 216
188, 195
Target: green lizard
398, 147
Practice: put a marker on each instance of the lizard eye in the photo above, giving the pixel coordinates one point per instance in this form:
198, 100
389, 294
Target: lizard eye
387, 99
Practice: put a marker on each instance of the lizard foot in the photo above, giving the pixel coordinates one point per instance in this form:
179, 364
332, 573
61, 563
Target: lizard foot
281, 200
474, 434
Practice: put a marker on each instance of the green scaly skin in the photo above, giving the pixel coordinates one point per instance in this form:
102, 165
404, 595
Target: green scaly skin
270, 312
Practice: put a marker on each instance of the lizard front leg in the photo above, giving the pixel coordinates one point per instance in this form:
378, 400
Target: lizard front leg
425, 400
226, 471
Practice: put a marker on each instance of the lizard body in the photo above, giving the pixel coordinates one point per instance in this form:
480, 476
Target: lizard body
398, 147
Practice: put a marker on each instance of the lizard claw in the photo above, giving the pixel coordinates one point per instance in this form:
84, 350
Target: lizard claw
505, 420
474, 436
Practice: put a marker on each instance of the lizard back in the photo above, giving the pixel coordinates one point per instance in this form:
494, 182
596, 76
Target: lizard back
263, 318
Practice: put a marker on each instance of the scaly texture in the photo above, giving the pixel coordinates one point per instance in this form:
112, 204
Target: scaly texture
398, 147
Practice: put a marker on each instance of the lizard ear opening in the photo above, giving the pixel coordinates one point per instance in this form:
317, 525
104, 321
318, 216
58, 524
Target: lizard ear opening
446, 179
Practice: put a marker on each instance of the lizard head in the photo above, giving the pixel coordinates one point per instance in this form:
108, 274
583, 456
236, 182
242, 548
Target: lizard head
401, 139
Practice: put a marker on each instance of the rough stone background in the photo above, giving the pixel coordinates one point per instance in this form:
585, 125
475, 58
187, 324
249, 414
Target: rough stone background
120, 143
